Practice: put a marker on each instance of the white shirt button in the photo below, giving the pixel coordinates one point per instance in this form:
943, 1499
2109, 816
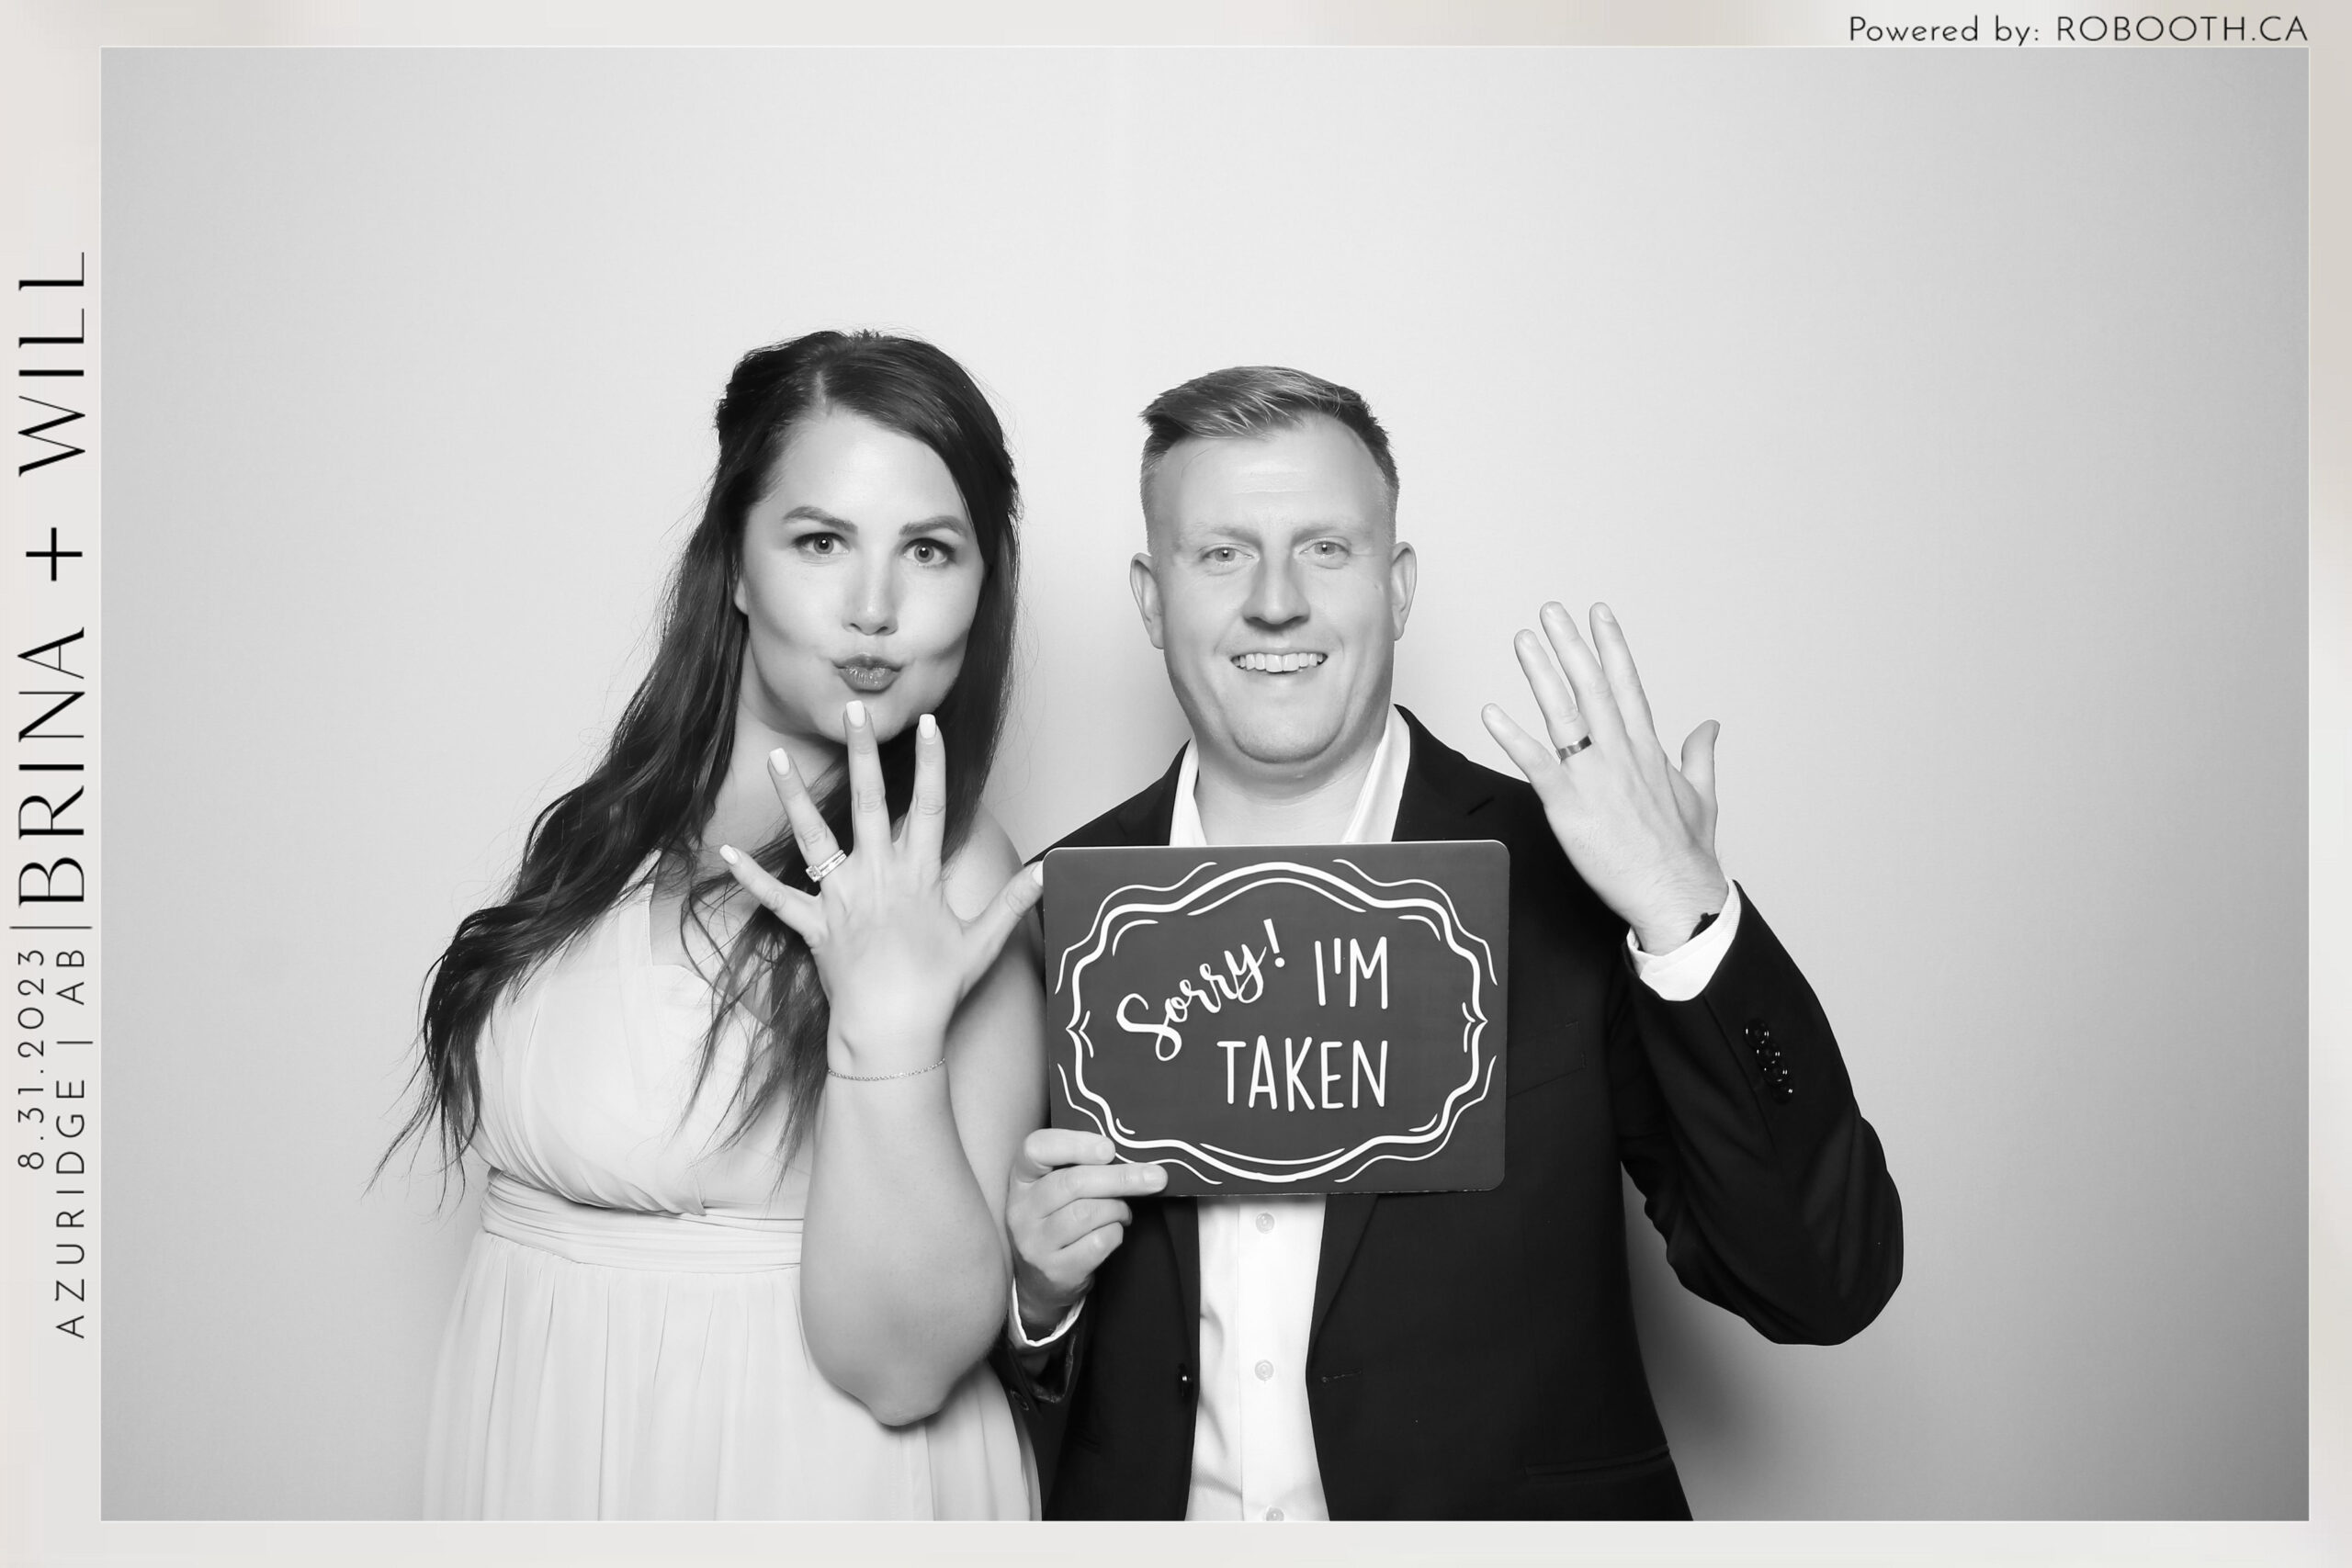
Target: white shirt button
1275, 1515
1265, 1222
1265, 1370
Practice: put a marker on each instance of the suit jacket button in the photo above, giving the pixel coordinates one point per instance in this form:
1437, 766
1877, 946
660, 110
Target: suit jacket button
1758, 1035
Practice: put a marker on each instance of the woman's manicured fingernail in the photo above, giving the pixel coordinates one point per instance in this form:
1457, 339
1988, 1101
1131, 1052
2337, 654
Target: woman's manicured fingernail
727, 853
855, 714
779, 761
929, 726
1037, 874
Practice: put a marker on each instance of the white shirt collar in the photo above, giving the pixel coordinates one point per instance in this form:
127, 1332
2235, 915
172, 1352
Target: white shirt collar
1374, 821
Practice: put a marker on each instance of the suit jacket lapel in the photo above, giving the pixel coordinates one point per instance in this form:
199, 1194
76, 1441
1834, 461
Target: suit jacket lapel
1183, 1221
1345, 1215
1442, 790
1145, 818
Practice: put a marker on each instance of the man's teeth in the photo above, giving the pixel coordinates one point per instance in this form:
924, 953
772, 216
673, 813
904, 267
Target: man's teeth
1278, 664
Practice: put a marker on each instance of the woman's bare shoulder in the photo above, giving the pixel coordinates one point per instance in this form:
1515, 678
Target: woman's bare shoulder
981, 867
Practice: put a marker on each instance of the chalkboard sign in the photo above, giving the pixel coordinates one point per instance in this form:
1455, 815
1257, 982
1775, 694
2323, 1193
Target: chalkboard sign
1284, 1018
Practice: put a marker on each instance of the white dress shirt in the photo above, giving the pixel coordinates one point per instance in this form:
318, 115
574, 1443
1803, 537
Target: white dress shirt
1253, 1442
1253, 1439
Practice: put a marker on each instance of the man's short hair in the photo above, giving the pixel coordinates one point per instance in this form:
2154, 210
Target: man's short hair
1251, 400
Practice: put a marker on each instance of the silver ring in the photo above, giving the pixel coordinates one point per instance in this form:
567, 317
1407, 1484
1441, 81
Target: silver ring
1573, 747
828, 865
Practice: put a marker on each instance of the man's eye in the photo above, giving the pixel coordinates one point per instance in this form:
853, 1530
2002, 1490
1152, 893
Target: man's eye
1224, 555
1327, 549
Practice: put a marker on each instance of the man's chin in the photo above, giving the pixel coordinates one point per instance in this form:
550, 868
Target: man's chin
1287, 738
1289, 749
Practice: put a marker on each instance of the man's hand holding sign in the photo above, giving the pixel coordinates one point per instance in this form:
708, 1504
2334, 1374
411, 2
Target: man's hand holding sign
1067, 1211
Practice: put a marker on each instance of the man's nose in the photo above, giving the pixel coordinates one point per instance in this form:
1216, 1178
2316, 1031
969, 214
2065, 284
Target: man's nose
1275, 596
874, 612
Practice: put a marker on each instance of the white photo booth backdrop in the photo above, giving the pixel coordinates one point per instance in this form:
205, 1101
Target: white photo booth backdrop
1934, 421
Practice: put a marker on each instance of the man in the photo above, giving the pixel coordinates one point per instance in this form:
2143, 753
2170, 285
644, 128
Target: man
1431, 1354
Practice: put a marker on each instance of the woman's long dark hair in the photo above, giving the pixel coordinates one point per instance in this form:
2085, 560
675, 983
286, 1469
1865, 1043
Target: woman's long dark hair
659, 780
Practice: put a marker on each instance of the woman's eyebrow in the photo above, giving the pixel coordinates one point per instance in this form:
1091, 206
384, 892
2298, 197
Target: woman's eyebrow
809, 514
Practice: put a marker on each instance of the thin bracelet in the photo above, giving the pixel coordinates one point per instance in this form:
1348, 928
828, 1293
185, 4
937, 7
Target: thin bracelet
886, 1078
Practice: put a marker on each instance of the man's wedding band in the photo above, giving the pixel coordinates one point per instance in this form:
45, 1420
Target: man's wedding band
1573, 747
828, 865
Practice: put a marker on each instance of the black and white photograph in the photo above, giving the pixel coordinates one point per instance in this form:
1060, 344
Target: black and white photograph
1689, 674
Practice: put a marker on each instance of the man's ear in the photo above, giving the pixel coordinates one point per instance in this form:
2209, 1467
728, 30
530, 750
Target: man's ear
1404, 570
1143, 581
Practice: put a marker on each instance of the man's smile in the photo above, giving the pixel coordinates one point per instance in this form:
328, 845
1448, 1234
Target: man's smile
1291, 663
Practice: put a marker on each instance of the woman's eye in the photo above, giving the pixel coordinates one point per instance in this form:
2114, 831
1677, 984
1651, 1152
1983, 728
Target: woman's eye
930, 552
818, 543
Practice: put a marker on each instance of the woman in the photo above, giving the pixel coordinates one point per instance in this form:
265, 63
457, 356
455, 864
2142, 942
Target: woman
741, 1250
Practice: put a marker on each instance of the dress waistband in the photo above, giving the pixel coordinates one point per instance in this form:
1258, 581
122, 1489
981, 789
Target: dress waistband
714, 1242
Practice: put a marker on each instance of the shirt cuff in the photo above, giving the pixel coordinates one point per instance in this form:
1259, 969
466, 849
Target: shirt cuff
1682, 973
1021, 1340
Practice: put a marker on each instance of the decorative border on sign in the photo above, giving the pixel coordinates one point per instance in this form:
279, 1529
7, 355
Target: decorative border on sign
1139, 904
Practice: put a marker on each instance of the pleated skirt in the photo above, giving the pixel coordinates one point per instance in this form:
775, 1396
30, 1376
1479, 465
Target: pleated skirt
609, 1364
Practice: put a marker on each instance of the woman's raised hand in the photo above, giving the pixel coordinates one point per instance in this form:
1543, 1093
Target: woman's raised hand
894, 958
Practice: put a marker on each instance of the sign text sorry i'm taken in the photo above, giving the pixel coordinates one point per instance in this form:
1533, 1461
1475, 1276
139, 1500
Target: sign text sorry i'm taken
1326, 1018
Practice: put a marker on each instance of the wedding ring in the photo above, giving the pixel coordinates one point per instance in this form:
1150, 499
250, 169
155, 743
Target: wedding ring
1573, 747
828, 865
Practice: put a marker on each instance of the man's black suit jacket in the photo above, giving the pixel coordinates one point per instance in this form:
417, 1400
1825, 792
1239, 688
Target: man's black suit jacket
1472, 1354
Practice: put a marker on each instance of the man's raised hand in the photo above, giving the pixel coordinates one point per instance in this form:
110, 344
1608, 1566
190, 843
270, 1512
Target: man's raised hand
1640, 830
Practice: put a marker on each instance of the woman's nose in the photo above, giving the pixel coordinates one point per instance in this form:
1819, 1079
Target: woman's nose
876, 610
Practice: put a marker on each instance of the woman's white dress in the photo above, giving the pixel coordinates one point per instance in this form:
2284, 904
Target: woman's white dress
626, 1338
